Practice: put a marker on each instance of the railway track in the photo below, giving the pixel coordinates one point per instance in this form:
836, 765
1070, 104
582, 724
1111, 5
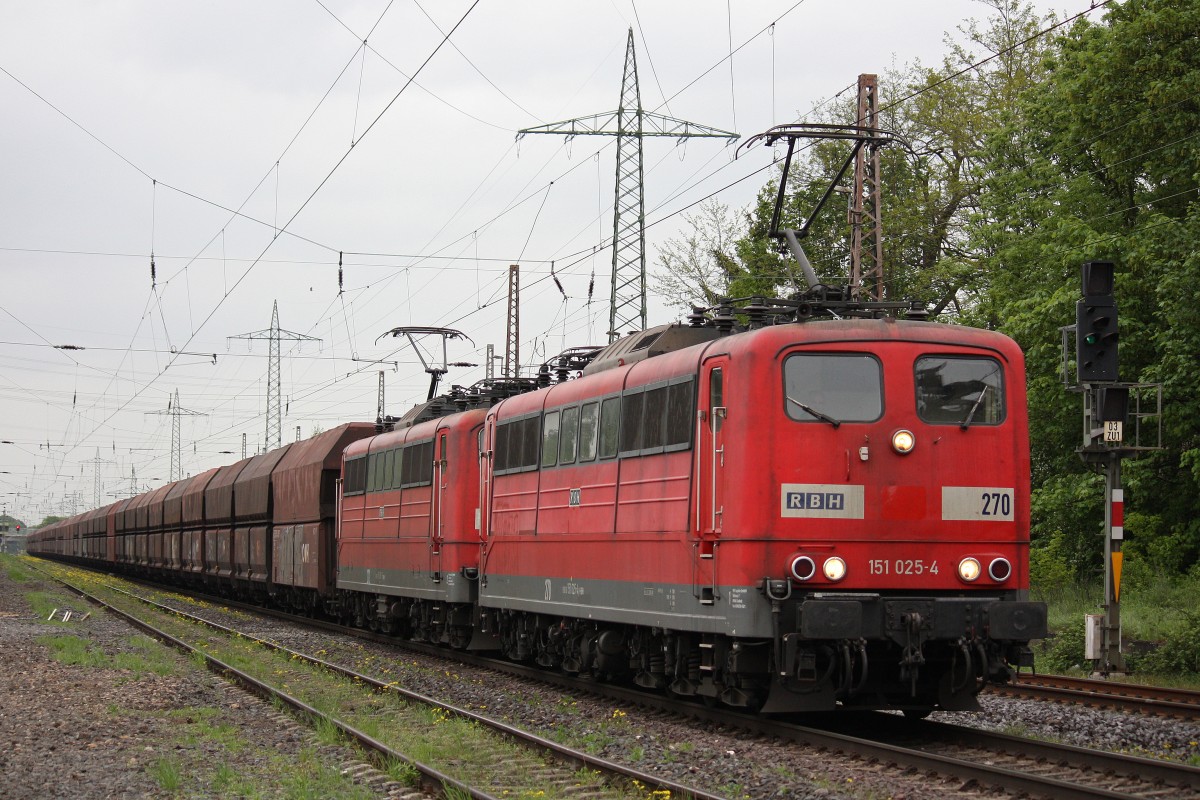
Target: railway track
1040, 767
571, 773
974, 758
1177, 703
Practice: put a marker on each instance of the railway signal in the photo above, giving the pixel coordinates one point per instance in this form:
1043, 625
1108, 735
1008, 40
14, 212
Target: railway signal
1096, 334
1110, 433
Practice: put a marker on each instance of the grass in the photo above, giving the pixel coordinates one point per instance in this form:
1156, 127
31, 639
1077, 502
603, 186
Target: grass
202, 724
42, 603
1158, 613
402, 772
167, 774
144, 656
263, 773
13, 568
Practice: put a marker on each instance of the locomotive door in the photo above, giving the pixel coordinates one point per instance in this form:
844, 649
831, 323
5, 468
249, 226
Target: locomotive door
711, 415
441, 482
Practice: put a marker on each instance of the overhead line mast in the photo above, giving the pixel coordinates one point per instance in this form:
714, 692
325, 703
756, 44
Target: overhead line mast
630, 123
274, 335
175, 411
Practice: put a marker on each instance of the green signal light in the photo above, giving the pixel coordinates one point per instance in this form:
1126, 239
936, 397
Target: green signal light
1091, 338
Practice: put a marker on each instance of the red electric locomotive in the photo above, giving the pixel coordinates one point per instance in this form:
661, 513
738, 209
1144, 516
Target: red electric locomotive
408, 540
793, 517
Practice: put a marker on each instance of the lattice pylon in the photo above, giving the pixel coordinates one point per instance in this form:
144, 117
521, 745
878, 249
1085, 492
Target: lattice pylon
512, 346
175, 411
866, 222
274, 407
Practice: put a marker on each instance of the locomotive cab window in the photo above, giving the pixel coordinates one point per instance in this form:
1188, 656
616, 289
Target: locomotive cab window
959, 390
832, 387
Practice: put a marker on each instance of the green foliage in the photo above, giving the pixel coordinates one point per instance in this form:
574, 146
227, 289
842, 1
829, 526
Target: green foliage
1065, 651
1178, 654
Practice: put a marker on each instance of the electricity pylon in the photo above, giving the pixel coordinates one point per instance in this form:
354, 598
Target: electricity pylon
630, 123
96, 462
274, 335
176, 411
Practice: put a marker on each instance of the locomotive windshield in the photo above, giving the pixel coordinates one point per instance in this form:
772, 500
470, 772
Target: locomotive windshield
954, 390
832, 387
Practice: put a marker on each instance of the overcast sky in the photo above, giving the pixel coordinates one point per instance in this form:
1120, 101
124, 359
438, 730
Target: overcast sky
132, 127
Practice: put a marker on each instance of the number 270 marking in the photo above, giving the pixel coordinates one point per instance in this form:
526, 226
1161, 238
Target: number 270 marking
996, 504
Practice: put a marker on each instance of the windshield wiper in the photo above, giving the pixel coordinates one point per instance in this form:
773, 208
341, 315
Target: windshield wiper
810, 410
966, 423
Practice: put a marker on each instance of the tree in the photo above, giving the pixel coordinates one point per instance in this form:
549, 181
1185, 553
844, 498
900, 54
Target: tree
695, 270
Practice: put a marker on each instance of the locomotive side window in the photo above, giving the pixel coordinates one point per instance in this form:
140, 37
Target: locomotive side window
529, 442
958, 390
399, 471
610, 425
518, 445
417, 465
569, 436
832, 387
589, 419
373, 472
389, 469
679, 415
503, 452
654, 419
356, 476
657, 418
631, 413
550, 439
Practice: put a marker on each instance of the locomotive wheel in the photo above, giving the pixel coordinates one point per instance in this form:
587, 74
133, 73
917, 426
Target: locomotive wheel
917, 713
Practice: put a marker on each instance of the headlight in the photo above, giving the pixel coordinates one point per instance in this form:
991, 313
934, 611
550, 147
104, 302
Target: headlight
903, 441
999, 569
834, 568
969, 569
803, 568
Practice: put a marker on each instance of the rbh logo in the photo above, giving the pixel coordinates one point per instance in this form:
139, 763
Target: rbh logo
816, 501
821, 500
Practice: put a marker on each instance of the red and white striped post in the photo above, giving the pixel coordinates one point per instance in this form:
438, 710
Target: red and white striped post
1112, 660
